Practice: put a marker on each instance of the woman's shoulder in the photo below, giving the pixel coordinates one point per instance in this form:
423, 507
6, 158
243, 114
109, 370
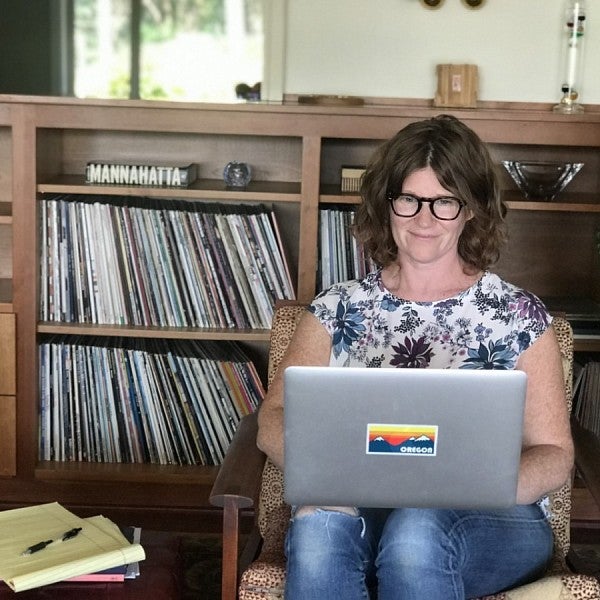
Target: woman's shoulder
493, 284
349, 291
516, 302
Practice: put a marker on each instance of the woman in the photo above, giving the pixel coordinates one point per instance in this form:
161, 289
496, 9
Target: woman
432, 218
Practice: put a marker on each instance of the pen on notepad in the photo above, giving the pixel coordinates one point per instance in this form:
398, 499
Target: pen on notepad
67, 535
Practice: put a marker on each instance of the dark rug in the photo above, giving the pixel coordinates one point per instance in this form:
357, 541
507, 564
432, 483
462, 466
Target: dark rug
201, 561
585, 558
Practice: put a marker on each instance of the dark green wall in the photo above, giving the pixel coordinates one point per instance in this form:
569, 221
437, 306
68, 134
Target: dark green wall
26, 47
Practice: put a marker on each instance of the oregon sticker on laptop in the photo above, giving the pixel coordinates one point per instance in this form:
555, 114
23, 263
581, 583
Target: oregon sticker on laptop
407, 440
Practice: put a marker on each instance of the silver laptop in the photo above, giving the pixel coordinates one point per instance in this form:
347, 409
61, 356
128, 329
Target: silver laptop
445, 438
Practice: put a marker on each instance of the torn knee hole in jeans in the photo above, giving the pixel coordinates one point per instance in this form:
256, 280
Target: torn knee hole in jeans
311, 510
351, 511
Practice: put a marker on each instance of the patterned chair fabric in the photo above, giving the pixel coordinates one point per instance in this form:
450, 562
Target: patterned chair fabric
264, 579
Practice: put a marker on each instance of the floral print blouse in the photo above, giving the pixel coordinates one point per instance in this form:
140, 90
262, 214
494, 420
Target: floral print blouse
486, 326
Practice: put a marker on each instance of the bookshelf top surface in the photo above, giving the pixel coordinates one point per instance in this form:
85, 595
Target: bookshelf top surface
213, 189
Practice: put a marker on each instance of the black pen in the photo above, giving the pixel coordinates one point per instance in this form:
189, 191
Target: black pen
67, 535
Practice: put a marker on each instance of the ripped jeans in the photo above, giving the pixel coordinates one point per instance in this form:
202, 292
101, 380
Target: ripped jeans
414, 554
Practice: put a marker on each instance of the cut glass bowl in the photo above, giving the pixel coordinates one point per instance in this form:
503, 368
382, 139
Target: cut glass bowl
540, 180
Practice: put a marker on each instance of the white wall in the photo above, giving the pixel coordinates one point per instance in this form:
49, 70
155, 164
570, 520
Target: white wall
389, 48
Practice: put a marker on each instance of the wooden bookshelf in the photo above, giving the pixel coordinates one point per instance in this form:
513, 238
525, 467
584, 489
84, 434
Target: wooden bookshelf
6, 296
5, 213
296, 152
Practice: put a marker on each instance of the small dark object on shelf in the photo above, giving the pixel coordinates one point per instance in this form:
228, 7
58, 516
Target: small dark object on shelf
243, 91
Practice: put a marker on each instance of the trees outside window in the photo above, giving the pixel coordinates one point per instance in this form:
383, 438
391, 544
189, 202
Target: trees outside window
188, 50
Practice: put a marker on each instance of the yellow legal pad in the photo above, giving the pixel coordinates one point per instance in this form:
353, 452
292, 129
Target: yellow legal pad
99, 545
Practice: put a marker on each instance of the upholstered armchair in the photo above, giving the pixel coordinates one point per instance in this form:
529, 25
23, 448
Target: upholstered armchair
246, 480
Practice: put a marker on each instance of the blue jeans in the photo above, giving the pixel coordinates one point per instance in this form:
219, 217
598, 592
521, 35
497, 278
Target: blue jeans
414, 554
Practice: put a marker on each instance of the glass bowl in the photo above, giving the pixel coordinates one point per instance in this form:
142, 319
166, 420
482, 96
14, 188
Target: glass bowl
540, 180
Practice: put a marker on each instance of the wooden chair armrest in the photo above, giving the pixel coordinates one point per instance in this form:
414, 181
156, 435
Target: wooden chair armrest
237, 486
587, 458
240, 473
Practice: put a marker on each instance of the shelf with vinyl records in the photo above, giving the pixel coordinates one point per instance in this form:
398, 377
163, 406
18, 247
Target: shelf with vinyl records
150, 300
124, 265
149, 316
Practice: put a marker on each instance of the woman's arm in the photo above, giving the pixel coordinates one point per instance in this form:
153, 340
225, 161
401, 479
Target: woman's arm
310, 345
547, 457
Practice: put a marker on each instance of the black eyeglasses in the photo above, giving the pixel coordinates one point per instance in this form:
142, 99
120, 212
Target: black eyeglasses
444, 208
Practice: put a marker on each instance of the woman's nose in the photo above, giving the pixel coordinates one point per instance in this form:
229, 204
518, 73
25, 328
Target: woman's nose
425, 217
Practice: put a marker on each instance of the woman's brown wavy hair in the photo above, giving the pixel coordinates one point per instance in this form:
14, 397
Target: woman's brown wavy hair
463, 166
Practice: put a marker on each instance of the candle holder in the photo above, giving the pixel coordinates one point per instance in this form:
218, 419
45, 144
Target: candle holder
237, 174
572, 56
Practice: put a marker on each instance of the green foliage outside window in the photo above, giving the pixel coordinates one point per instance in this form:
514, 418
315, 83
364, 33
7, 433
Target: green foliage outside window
210, 48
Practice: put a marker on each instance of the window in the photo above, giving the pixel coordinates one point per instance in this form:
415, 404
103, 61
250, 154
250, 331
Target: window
189, 50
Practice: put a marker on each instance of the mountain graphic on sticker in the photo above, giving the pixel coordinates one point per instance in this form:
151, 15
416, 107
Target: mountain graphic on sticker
402, 439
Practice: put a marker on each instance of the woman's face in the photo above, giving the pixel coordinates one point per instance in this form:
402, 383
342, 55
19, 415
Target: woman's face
423, 239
